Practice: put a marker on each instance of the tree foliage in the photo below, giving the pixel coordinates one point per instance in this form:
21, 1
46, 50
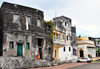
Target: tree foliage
99, 40
98, 50
50, 23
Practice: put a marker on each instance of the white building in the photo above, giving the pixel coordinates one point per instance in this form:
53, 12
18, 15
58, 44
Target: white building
63, 51
85, 47
97, 44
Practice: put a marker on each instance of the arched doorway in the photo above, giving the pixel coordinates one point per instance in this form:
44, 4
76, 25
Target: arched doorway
81, 53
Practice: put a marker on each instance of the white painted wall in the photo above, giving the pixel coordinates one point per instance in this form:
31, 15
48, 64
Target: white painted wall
92, 52
65, 55
86, 50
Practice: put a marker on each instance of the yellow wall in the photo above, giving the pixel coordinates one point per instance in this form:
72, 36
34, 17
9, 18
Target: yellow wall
56, 47
82, 38
57, 52
95, 58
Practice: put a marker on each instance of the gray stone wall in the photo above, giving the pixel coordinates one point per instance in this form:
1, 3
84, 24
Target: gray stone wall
18, 62
17, 31
17, 38
24, 63
73, 38
1, 32
9, 10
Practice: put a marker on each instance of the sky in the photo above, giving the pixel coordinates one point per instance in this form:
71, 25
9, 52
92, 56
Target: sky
85, 14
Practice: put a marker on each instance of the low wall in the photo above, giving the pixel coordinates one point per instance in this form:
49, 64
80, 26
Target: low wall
96, 58
24, 63
20, 63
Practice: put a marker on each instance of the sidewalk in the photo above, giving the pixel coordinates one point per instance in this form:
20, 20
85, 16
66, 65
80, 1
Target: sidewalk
63, 66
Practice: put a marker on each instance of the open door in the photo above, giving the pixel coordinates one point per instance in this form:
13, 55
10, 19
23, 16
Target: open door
81, 53
40, 46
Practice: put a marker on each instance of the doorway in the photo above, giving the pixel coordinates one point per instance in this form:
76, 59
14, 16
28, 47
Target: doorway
19, 50
40, 46
55, 53
81, 53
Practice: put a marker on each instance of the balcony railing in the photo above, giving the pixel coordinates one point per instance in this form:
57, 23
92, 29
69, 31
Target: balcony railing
59, 41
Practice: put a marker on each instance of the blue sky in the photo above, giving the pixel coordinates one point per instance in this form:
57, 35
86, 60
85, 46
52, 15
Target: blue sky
85, 14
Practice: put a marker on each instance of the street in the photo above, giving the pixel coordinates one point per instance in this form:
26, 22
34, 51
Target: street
87, 66
74, 66
63, 66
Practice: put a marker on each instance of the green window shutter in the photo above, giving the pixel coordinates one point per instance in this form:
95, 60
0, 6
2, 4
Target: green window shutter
27, 45
11, 45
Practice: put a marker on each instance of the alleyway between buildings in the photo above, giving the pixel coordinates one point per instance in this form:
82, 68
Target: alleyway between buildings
63, 66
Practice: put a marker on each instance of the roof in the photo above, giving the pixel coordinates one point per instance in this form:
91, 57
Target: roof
5, 4
62, 17
82, 38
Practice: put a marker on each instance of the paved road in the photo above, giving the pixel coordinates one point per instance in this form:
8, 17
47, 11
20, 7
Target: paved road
87, 66
63, 66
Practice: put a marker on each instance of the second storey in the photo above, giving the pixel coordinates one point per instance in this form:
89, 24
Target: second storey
17, 17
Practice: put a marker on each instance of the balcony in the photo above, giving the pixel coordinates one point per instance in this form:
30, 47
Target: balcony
59, 41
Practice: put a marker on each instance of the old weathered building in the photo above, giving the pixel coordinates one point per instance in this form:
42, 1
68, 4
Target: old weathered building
63, 32
73, 43
22, 32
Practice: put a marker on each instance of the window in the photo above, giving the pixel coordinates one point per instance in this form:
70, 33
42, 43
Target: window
67, 37
64, 49
28, 21
63, 36
73, 51
57, 36
38, 23
65, 23
55, 53
69, 49
16, 18
11, 45
27, 45
98, 42
54, 39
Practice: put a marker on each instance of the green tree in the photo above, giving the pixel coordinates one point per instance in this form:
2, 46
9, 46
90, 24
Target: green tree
50, 23
98, 50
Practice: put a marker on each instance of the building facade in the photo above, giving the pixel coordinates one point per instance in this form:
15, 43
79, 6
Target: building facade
22, 32
59, 42
62, 49
85, 47
97, 44
73, 43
